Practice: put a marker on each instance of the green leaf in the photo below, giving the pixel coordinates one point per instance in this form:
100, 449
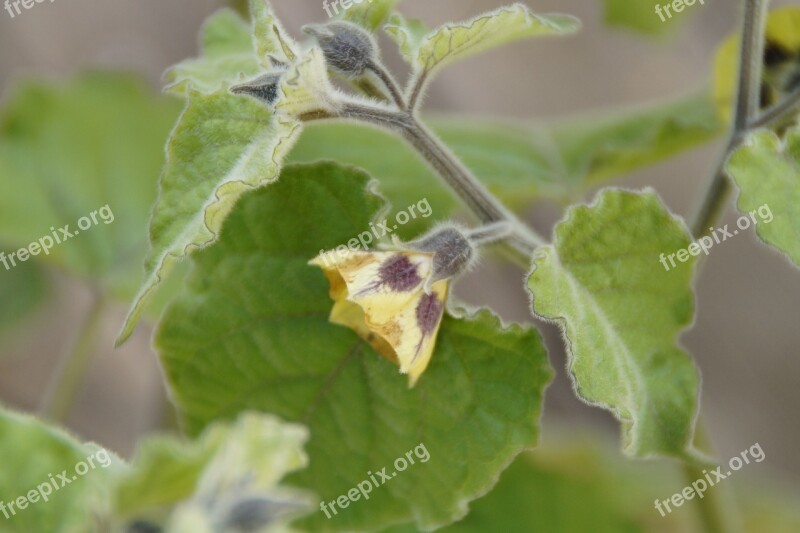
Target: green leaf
563, 487
33, 452
252, 332
226, 56
68, 151
621, 311
641, 16
269, 37
369, 14
223, 146
767, 171
22, 290
456, 41
172, 479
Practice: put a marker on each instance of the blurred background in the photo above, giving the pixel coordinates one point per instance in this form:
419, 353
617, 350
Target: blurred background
746, 338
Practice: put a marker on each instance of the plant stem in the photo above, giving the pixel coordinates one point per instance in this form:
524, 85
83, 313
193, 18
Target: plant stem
61, 393
389, 83
710, 508
751, 55
780, 110
522, 240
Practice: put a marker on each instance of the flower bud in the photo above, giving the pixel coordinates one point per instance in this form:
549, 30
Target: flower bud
453, 252
255, 513
348, 48
264, 88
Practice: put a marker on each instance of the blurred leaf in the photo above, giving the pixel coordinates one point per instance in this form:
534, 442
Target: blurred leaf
641, 16
407, 33
369, 14
226, 55
252, 332
564, 489
596, 149
65, 153
171, 480
456, 41
33, 452
767, 172
621, 313
21, 291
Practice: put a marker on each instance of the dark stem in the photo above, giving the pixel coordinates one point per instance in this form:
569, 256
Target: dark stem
389, 83
711, 510
747, 105
779, 111
479, 200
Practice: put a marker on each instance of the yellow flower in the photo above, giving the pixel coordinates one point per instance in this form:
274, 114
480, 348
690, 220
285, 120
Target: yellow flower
391, 300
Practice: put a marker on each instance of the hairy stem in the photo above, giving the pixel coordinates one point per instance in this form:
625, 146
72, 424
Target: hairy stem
58, 400
779, 111
479, 200
711, 508
751, 55
389, 83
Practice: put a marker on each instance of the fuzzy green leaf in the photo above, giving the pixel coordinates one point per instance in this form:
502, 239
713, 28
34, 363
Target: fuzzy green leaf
66, 152
223, 146
172, 481
269, 36
33, 452
621, 313
767, 171
252, 332
456, 41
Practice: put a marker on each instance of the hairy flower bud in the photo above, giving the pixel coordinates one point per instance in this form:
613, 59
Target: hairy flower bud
348, 48
264, 88
453, 253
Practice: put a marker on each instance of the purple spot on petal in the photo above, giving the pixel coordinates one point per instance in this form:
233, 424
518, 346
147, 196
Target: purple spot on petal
429, 311
400, 274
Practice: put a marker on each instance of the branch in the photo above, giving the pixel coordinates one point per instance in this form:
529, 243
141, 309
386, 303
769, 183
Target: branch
747, 107
779, 111
472, 192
